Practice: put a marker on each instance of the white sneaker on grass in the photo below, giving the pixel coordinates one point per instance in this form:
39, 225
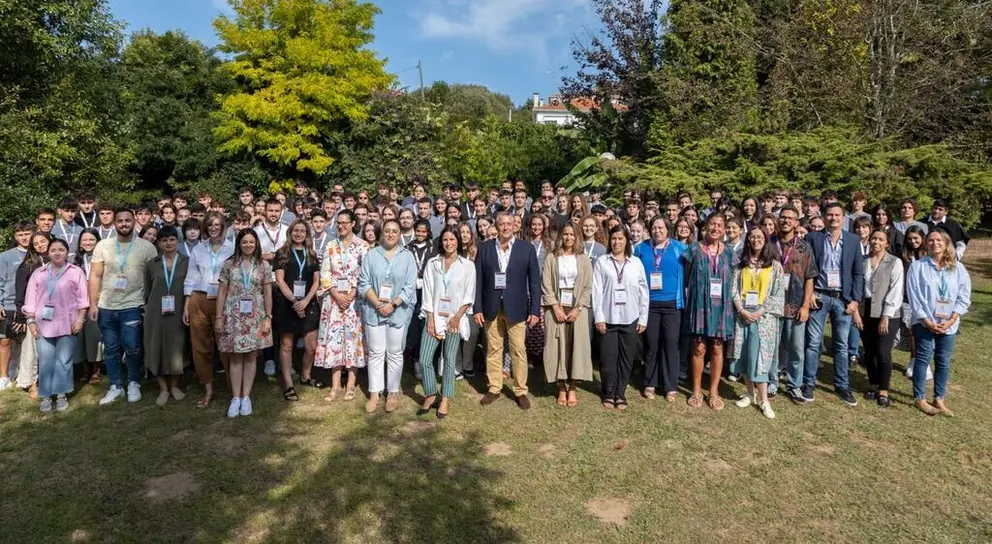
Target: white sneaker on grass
766, 410
235, 408
245, 409
5, 383
744, 401
46, 405
115, 392
133, 392
270, 368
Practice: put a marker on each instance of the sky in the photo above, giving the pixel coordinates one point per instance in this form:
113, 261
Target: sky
515, 47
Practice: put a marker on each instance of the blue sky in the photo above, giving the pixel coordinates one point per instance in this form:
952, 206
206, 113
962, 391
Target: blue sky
516, 47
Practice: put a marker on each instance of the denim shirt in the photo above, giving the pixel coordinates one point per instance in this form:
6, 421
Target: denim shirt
831, 261
402, 272
10, 260
924, 283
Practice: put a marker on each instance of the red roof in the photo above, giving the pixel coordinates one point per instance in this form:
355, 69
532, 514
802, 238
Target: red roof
583, 104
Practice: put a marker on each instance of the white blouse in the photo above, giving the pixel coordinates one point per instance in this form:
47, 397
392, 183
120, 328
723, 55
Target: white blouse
204, 267
458, 285
568, 269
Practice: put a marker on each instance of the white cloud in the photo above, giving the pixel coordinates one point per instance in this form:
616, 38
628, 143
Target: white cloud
503, 25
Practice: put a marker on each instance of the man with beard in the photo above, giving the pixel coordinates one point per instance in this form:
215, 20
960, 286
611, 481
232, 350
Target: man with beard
116, 290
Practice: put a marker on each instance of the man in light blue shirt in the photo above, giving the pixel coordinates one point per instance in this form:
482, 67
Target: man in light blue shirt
10, 260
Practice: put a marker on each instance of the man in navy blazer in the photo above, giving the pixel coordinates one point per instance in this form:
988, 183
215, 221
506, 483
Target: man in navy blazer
838, 290
507, 300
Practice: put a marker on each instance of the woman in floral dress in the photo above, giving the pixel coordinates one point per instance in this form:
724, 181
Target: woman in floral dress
340, 341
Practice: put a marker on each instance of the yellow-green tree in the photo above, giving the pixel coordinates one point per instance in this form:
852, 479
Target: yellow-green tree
303, 69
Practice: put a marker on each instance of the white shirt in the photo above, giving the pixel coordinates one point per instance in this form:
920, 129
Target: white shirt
460, 289
604, 286
504, 256
568, 269
204, 266
271, 240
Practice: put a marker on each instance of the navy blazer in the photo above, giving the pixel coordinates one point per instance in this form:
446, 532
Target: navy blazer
523, 282
852, 263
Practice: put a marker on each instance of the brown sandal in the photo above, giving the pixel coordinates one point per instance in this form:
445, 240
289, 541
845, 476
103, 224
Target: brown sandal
96, 378
695, 400
573, 399
562, 396
204, 402
714, 402
349, 394
331, 395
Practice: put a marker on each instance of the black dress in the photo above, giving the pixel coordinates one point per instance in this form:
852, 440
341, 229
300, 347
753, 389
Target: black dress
285, 320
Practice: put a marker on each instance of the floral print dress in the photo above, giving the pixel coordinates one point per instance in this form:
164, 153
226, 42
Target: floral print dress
243, 333
340, 340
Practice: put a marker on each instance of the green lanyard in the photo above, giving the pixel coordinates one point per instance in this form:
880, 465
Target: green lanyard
246, 276
169, 274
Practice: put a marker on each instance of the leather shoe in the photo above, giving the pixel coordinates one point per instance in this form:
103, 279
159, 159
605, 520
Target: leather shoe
523, 402
488, 398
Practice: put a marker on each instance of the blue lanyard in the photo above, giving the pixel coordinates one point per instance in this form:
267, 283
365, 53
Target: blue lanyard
169, 274
54, 281
214, 259
246, 276
444, 275
123, 262
301, 263
942, 288
389, 265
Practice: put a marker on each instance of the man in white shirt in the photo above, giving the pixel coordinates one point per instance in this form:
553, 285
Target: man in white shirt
272, 234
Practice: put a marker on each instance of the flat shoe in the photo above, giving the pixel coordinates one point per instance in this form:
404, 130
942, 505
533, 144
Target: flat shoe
178, 393
163, 397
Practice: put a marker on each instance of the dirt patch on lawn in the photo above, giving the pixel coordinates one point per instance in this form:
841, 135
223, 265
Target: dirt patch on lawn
79, 535
823, 449
411, 428
610, 510
716, 465
182, 435
547, 450
499, 449
175, 486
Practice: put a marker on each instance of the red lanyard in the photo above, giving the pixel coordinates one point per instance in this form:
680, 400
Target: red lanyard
619, 269
658, 258
787, 256
714, 258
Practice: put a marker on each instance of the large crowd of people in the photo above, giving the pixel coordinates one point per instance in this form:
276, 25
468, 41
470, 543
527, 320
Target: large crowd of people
93, 293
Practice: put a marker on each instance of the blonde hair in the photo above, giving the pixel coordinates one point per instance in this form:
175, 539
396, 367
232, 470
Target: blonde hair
950, 256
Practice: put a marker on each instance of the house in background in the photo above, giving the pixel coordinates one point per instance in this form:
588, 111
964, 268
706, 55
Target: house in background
556, 112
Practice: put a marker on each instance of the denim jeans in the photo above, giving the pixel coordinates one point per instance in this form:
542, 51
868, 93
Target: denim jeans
840, 324
938, 346
792, 351
121, 333
853, 340
55, 365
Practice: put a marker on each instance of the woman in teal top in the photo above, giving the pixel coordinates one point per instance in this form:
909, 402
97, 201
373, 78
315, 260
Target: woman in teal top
388, 284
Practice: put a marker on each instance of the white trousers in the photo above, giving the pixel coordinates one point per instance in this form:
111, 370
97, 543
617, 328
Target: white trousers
385, 347
27, 362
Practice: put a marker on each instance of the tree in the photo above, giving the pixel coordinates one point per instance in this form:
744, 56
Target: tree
472, 103
302, 69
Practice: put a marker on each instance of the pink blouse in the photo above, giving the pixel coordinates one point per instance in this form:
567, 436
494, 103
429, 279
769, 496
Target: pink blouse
69, 296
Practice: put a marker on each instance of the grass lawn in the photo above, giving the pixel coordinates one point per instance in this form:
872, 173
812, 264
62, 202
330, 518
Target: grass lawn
313, 472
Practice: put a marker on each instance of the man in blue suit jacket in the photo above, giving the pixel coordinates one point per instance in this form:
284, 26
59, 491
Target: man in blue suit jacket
838, 290
507, 300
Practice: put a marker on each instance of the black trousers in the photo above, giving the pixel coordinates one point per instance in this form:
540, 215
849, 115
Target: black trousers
661, 346
616, 357
878, 349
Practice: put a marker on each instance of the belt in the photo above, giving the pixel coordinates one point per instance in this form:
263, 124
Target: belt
201, 292
831, 294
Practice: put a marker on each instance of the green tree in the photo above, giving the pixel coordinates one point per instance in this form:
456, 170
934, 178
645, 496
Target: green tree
472, 103
302, 69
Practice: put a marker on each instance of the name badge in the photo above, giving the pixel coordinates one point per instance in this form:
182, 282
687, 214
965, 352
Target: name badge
299, 289
833, 279
716, 289
246, 306
47, 313
444, 307
943, 309
385, 292
342, 285
420, 283
500, 282
212, 289
120, 283
656, 281
751, 300
788, 280
620, 296
567, 297
168, 305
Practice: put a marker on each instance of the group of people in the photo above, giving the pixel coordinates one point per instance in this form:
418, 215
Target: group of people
562, 281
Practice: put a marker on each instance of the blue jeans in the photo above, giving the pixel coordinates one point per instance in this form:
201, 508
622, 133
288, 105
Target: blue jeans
938, 346
840, 324
792, 351
853, 340
121, 334
55, 365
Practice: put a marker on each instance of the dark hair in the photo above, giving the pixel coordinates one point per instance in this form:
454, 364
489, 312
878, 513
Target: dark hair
668, 225
832, 205
168, 205
422, 222
874, 218
756, 205
349, 214
33, 259
626, 237
22, 226
282, 254
69, 203
789, 208
909, 254
192, 223
318, 213
376, 230
122, 209
273, 202
167, 231
940, 203
85, 195
80, 252
197, 208
768, 255
454, 232
862, 221
257, 255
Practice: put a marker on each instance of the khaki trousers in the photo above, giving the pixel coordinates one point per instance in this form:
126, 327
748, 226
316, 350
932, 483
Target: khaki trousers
202, 312
496, 330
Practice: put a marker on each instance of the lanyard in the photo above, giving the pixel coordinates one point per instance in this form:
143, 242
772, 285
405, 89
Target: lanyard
389, 265
87, 259
318, 247
169, 274
188, 250
268, 234
589, 247
214, 259
942, 288
658, 258
123, 262
753, 279
300, 263
786, 257
246, 276
714, 259
421, 253
444, 274
53, 281
87, 224
104, 235
345, 255
619, 269
65, 233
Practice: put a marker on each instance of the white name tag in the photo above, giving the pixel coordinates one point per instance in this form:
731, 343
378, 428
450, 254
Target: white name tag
444, 307
385, 292
47, 313
246, 306
120, 283
751, 300
168, 305
656, 282
420, 283
500, 282
620, 295
342, 285
299, 289
833, 279
567, 297
716, 289
212, 289
943, 309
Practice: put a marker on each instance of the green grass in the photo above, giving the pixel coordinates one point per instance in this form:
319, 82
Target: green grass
313, 472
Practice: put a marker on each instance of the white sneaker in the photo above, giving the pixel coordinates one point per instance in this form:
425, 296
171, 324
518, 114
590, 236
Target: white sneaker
245, 406
929, 374
5, 383
766, 410
61, 403
235, 408
113, 394
459, 376
909, 370
133, 392
733, 378
744, 401
46, 405
270, 368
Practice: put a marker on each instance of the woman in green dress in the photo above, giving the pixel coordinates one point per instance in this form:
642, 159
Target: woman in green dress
164, 331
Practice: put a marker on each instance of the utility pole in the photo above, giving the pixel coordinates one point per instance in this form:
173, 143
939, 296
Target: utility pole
420, 70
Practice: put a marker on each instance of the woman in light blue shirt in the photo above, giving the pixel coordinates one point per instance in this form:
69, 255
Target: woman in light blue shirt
388, 283
939, 292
